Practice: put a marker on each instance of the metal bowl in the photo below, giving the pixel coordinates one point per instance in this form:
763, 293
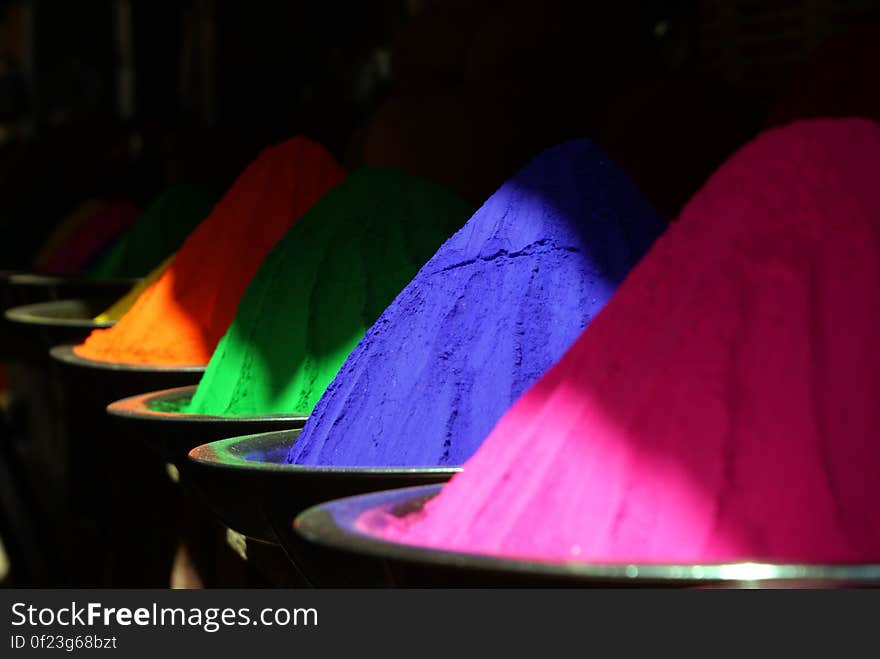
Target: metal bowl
101, 383
59, 321
353, 525
31, 288
174, 434
246, 481
7, 290
122, 490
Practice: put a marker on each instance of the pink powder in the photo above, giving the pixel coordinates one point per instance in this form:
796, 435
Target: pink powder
725, 405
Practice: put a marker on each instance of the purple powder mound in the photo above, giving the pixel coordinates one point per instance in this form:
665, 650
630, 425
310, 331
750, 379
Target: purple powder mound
496, 306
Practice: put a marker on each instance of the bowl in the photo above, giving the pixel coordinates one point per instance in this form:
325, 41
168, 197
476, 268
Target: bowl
354, 525
122, 490
58, 321
8, 296
254, 492
173, 434
104, 382
31, 288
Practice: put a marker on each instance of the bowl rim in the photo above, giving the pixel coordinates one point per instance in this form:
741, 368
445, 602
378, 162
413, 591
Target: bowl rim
229, 454
64, 353
138, 408
25, 315
334, 524
24, 278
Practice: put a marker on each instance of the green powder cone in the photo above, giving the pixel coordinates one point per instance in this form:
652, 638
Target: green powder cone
322, 286
159, 231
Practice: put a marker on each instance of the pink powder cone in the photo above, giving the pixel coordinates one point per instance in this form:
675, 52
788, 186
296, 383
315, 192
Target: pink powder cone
725, 405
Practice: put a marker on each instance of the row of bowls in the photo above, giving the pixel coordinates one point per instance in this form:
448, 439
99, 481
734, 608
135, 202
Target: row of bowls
327, 520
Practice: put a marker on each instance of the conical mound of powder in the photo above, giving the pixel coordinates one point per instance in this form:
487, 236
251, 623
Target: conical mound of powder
119, 308
158, 232
66, 229
724, 405
495, 307
322, 286
181, 317
88, 240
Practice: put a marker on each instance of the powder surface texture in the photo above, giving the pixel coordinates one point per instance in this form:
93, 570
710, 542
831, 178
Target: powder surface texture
158, 232
495, 307
90, 237
319, 290
182, 316
723, 406
123, 304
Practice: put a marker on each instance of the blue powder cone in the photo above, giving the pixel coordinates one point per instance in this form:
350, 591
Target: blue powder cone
495, 307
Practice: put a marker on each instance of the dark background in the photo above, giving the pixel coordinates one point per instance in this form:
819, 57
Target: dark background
119, 98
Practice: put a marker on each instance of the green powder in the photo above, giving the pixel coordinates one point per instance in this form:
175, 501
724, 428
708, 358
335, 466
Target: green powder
160, 230
319, 290
177, 406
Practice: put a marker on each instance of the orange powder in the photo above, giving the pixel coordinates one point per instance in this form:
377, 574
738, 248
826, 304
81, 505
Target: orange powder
181, 317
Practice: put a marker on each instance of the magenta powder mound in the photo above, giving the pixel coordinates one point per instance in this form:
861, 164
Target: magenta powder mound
494, 308
724, 404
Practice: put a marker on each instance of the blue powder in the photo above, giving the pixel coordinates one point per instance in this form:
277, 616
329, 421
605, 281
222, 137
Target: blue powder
496, 306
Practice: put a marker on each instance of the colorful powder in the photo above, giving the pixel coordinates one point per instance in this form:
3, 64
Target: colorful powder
723, 406
123, 304
159, 231
90, 237
319, 290
181, 317
497, 305
62, 233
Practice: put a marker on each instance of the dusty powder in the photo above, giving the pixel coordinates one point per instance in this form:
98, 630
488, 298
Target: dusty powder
181, 317
89, 237
63, 231
158, 232
322, 286
723, 406
123, 304
496, 306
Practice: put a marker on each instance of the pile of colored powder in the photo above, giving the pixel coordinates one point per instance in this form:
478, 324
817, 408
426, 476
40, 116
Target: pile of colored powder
65, 229
123, 304
158, 232
723, 406
182, 316
89, 238
495, 307
321, 288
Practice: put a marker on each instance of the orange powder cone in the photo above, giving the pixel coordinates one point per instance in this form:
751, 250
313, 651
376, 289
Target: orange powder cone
182, 316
